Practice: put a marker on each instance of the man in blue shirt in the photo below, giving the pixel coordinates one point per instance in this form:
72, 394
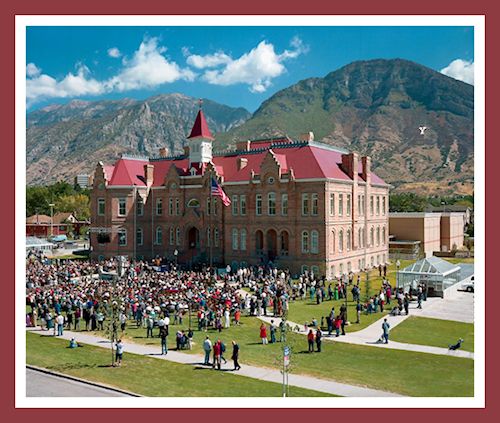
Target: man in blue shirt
385, 331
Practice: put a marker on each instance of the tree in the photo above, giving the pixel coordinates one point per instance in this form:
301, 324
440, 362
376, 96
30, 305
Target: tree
74, 203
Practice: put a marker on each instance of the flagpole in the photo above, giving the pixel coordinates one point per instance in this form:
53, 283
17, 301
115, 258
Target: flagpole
211, 240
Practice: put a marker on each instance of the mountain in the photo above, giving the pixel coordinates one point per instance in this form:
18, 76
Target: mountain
376, 107
65, 140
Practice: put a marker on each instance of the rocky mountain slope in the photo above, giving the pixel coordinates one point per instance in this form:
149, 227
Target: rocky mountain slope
376, 107
65, 140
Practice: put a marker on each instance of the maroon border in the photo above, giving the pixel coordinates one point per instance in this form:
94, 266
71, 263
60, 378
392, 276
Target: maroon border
10, 8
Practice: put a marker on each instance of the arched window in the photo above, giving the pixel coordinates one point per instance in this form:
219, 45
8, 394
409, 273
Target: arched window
305, 242
271, 204
384, 241
209, 240
333, 241
348, 240
372, 243
235, 239
178, 236
378, 236
193, 203
349, 267
243, 239
171, 236
314, 242
360, 238
158, 235
332, 271
341, 241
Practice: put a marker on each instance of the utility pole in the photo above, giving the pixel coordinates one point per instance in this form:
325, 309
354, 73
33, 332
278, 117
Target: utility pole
286, 355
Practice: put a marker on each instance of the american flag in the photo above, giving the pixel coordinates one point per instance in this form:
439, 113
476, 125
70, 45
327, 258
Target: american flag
219, 192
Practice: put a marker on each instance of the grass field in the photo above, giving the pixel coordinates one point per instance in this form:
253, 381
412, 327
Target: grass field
148, 376
435, 332
405, 372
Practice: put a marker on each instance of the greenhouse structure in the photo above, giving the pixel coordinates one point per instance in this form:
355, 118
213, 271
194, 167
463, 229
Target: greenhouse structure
436, 273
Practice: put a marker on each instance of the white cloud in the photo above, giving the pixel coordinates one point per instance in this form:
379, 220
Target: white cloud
42, 86
147, 68
257, 68
32, 70
114, 52
209, 60
462, 70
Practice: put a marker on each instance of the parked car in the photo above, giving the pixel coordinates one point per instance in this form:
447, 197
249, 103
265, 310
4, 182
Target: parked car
468, 286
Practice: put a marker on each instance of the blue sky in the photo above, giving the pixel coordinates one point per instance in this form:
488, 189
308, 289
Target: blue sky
238, 66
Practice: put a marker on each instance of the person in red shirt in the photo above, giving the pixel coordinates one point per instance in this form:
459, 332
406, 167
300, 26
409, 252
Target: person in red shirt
217, 353
237, 316
337, 323
263, 334
310, 340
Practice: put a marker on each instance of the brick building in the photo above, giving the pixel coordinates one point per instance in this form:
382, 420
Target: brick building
300, 204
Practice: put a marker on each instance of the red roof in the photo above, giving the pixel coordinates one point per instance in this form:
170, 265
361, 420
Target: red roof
307, 162
200, 128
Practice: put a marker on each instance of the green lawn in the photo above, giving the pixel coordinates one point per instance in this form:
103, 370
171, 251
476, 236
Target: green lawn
435, 332
148, 376
405, 372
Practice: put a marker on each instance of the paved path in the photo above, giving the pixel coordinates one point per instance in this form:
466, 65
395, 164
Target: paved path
270, 375
40, 384
370, 335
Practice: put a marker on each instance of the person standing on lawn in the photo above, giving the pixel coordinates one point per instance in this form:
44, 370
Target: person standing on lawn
406, 304
207, 347
359, 308
235, 355
163, 336
310, 341
217, 354
60, 324
319, 335
385, 331
272, 330
263, 334
119, 352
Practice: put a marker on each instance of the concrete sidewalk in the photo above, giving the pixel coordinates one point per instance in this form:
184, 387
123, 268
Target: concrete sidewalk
370, 335
269, 375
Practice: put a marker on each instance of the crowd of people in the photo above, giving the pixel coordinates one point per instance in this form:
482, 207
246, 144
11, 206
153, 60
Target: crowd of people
82, 295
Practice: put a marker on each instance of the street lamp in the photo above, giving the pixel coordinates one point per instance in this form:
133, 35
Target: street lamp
51, 205
190, 296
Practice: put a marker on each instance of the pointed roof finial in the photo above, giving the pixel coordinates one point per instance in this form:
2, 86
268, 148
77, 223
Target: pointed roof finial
200, 102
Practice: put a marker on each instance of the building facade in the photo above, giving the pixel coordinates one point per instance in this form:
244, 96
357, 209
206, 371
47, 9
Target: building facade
298, 204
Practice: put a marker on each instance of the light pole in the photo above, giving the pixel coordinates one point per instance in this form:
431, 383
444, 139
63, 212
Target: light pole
51, 205
190, 296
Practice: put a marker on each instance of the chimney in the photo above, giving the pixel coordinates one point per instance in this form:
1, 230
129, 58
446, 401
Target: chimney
350, 164
243, 145
308, 136
163, 152
242, 162
366, 168
186, 150
148, 174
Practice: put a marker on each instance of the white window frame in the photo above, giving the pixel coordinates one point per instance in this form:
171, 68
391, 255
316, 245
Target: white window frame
178, 236
284, 204
258, 204
101, 202
341, 204
305, 204
122, 232
243, 205
171, 236
314, 204
304, 242
170, 206
234, 239
243, 240
139, 239
234, 204
139, 207
158, 240
159, 207
341, 241
122, 203
348, 204
314, 242
271, 204
332, 204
